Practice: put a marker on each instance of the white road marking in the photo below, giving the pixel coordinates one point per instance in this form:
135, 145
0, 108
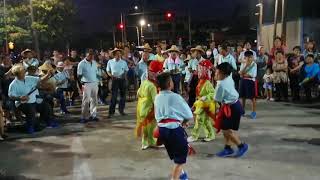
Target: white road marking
81, 169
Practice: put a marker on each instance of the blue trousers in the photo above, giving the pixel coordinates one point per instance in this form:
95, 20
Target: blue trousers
176, 78
60, 96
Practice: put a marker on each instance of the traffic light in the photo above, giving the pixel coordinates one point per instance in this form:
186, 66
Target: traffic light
121, 26
169, 16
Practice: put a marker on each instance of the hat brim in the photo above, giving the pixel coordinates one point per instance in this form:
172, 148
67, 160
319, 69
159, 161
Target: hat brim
114, 51
25, 51
173, 50
196, 49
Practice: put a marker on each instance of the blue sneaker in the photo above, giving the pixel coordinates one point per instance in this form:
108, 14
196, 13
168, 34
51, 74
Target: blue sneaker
242, 151
184, 176
253, 115
225, 153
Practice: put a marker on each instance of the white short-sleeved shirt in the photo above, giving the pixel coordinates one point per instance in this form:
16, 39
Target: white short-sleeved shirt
193, 64
141, 69
169, 105
225, 91
170, 64
229, 59
88, 71
251, 70
30, 62
19, 88
241, 56
62, 76
117, 67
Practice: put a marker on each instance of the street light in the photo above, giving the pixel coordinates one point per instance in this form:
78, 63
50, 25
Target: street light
136, 7
142, 23
149, 25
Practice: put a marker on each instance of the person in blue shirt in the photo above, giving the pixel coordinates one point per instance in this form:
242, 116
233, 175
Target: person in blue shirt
227, 95
88, 75
172, 114
310, 73
196, 57
62, 77
142, 67
173, 65
28, 59
248, 87
24, 90
117, 70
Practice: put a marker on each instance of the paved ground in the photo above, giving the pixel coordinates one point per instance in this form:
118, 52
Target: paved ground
284, 145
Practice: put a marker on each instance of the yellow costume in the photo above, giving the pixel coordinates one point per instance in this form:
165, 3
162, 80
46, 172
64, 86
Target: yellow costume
146, 122
205, 108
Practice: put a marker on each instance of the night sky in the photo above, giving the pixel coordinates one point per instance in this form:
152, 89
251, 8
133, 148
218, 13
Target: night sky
99, 15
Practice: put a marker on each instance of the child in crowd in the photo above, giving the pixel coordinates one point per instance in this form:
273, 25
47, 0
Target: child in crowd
147, 92
268, 84
187, 77
68, 67
248, 73
62, 77
310, 73
280, 76
172, 114
295, 62
205, 106
227, 95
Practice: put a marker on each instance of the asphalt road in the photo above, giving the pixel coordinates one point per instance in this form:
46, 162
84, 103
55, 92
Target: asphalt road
284, 145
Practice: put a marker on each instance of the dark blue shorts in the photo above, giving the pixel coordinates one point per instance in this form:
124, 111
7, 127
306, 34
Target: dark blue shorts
234, 121
247, 89
175, 141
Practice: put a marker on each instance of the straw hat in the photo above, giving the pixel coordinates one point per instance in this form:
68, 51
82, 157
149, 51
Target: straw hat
198, 48
173, 48
26, 51
17, 69
116, 49
147, 47
46, 67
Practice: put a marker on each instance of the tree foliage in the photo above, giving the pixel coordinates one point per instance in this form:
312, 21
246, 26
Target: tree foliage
53, 21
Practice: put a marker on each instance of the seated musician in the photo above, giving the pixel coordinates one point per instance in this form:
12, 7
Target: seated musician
24, 90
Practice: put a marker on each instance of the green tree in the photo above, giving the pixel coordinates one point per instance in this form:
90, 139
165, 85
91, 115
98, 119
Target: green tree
53, 20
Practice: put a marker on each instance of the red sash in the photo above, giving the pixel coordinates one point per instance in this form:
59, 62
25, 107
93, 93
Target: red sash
224, 112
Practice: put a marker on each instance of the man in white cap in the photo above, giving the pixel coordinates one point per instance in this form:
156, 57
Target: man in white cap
174, 65
117, 69
87, 73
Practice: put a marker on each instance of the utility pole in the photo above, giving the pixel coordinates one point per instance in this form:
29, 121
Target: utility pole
5, 26
283, 21
114, 36
260, 5
275, 18
122, 32
34, 32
